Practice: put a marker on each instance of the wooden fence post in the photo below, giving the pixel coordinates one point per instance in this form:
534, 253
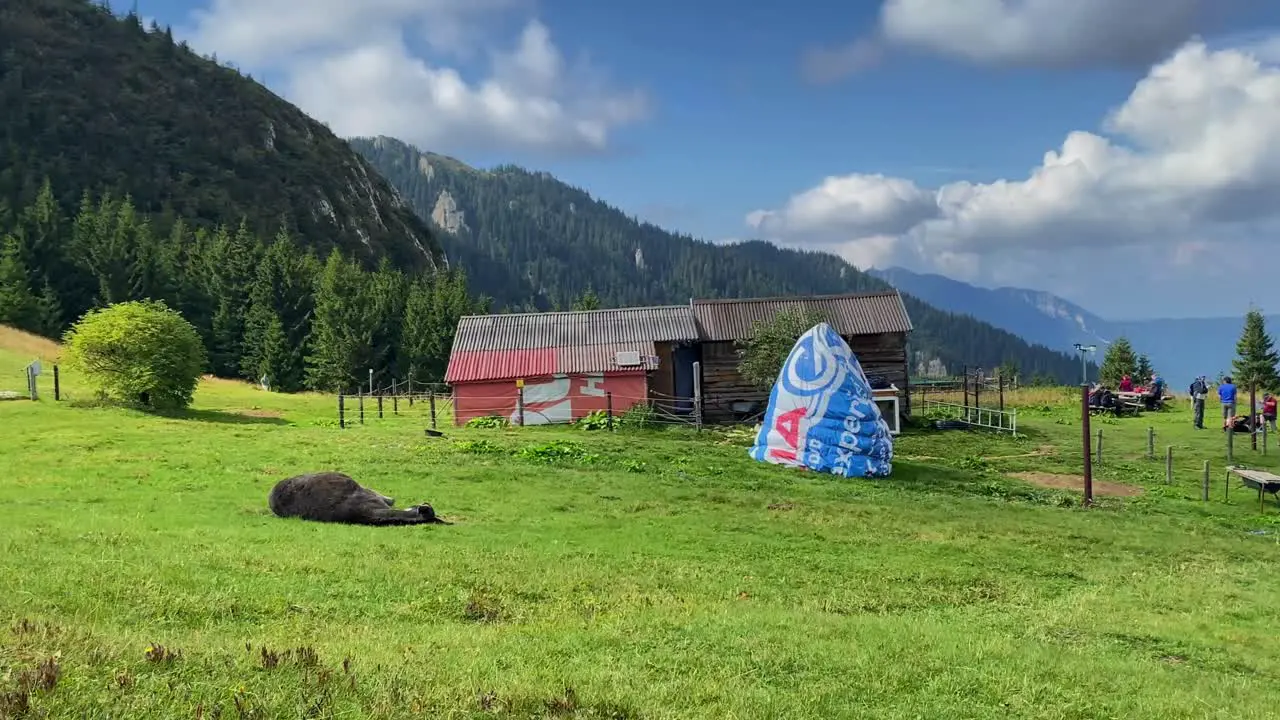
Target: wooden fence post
1253, 415
342, 414
379, 406
520, 405
1151, 443
1098, 450
57, 392
608, 406
431, 398
1088, 454
361, 399
1168, 465
1204, 490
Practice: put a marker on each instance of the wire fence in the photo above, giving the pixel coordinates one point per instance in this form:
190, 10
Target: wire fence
439, 406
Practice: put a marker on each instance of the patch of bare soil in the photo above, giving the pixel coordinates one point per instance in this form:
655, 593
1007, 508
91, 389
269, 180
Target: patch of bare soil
260, 413
1075, 482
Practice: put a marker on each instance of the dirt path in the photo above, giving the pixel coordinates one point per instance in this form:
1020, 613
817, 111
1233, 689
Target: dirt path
1076, 482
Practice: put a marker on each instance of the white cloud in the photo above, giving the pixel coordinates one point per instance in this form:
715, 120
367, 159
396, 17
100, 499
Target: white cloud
353, 65
1037, 33
1186, 167
852, 205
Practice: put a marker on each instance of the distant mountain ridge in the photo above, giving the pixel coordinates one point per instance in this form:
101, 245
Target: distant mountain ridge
1180, 349
535, 243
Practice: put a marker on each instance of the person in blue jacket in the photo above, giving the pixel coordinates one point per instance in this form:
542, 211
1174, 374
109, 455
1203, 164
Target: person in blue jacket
1227, 394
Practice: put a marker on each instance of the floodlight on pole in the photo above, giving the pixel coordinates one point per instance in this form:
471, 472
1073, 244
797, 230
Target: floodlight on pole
1084, 365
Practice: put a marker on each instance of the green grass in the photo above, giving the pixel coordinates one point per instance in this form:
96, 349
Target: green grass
626, 575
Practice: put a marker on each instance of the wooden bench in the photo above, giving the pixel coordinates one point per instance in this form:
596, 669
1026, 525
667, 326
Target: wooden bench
1259, 480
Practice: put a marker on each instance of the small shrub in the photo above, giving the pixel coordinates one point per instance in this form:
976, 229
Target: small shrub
488, 421
765, 352
598, 420
139, 353
640, 415
478, 447
557, 451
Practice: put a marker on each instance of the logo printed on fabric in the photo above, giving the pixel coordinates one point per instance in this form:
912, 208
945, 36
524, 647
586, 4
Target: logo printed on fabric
811, 368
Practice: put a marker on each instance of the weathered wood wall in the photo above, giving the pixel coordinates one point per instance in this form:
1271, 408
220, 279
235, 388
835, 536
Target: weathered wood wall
884, 355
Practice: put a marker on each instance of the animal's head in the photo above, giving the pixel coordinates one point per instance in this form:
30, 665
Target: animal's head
428, 513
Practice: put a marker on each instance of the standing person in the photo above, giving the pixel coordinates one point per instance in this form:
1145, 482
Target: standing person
1199, 389
1227, 394
1269, 411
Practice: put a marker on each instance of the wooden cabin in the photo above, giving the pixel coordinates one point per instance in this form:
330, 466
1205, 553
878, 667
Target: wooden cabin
875, 325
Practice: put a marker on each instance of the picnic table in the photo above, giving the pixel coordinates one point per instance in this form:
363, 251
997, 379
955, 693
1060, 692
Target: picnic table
1259, 480
1126, 403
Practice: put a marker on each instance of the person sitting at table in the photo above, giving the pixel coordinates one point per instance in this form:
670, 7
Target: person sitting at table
1095, 395
1126, 384
1154, 396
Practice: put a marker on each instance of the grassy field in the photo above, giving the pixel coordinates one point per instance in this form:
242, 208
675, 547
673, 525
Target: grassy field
638, 574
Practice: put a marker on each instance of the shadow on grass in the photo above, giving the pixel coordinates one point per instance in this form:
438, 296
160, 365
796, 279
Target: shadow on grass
220, 416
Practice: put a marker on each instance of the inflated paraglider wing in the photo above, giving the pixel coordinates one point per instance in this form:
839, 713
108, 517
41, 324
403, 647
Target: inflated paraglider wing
821, 412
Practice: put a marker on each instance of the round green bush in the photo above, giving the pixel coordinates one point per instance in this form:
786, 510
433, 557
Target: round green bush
137, 353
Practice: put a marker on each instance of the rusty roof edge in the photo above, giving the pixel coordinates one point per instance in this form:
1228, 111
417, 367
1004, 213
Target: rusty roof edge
556, 313
794, 298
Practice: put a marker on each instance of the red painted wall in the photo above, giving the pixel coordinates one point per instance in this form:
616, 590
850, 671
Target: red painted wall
554, 399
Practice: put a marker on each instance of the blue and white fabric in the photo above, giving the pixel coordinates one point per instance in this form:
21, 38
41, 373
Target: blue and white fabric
821, 414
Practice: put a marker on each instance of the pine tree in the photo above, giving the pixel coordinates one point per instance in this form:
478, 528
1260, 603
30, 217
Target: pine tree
1119, 361
341, 332
277, 361
587, 301
195, 300
49, 319
101, 240
1256, 357
387, 289
279, 296
231, 267
17, 305
419, 334
1144, 371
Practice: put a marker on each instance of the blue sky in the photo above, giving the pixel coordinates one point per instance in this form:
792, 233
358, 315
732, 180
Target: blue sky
697, 115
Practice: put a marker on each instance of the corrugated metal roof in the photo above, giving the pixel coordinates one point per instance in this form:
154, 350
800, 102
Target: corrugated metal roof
861, 314
525, 331
508, 346
484, 365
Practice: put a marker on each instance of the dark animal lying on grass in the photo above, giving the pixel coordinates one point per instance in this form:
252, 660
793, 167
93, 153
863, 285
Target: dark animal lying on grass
335, 497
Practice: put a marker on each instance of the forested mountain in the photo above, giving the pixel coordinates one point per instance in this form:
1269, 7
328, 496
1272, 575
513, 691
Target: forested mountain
533, 242
131, 168
97, 104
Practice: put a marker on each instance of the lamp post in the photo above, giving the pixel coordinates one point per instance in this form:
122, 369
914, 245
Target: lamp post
1084, 365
